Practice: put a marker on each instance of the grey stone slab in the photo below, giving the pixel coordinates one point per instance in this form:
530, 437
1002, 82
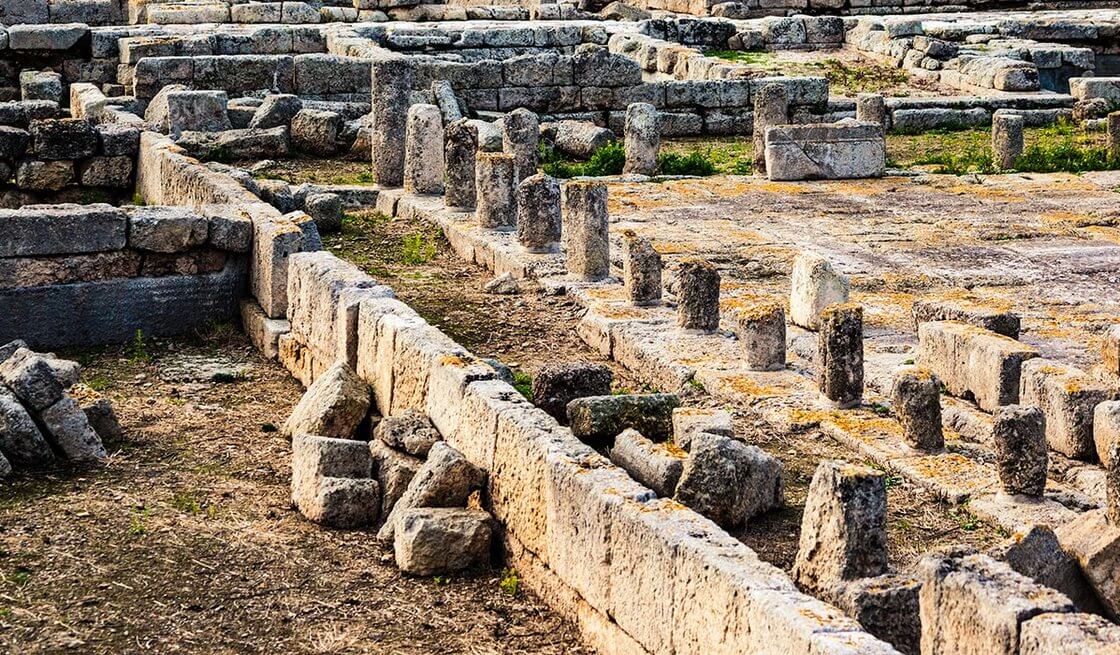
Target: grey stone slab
61, 229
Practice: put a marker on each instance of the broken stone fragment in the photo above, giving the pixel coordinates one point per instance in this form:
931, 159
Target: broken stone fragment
771, 107
1095, 542
656, 465
32, 379
521, 138
410, 431
916, 401
814, 285
844, 527
1021, 454
1037, 554
21, 442
445, 480
277, 110
345, 503
315, 458
1069, 634
68, 426
103, 418
599, 419
395, 471
690, 421
729, 481
434, 541
840, 355
503, 285
556, 385
333, 405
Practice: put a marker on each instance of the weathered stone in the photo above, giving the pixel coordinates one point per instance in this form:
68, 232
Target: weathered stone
1068, 397
32, 379
870, 108
1069, 634
690, 421
391, 83
21, 442
656, 465
1007, 139
641, 269
444, 95
277, 110
521, 138
459, 157
1000, 322
1113, 129
761, 330
643, 139
916, 401
316, 132
843, 529
115, 172
729, 481
599, 419
538, 213
556, 385
974, 604
394, 471
70, 430
35, 175
1037, 554
423, 156
63, 139
973, 361
343, 502
197, 111
843, 150
157, 113
1110, 351
326, 210
886, 606
315, 457
698, 296
445, 480
435, 541
333, 405
495, 191
103, 419
1021, 453
166, 229
411, 432
1094, 541
40, 85
584, 231
61, 229
771, 107
840, 354
1112, 486
814, 285
580, 139
46, 37
13, 142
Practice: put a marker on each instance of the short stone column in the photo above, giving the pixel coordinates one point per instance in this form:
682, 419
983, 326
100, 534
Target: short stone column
1112, 486
1114, 133
771, 107
538, 212
495, 191
843, 527
916, 400
641, 269
1007, 139
643, 138
423, 152
584, 230
460, 150
762, 334
814, 285
391, 93
1019, 436
521, 138
871, 108
698, 296
840, 355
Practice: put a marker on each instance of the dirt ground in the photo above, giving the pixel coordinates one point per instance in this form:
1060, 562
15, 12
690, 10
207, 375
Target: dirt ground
184, 542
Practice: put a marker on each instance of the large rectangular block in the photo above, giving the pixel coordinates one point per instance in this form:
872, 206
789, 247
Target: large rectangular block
61, 229
974, 362
375, 346
466, 430
815, 152
417, 347
1068, 398
274, 240
315, 282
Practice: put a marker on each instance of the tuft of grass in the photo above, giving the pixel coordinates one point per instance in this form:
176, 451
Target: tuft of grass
418, 248
19, 577
138, 526
694, 163
523, 382
608, 160
185, 503
99, 383
137, 350
510, 582
138, 199
750, 57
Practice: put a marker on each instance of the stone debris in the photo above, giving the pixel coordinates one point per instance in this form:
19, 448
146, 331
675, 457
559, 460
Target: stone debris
1037, 554
690, 421
441, 540
641, 270
761, 330
21, 442
656, 465
197, 111
410, 431
814, 285
599, 419
698, 296
333, 406
578, 139
103, 418
642, 139
446, 479
538, 213
394, 470
840, 355
1021, 453
325, 209
916, 401
871, 108
556, 385
503, 285
331, 481
729, 481
276, 110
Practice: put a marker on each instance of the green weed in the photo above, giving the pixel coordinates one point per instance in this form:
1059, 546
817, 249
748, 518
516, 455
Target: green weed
608, 160
510, 582
138, 525
523, 382
186, 503
694, 163
418, 248
137, 350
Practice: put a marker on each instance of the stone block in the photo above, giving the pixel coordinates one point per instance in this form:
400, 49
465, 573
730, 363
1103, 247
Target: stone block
446, 479
410, 431
814, 285
343, 502
69, 429
315, 457
556, 385
1069, 634
316, 132
32, 379
197, 111
690, 421
61, 36
277, 110
974, 362
1095, 542
814, 152
394, 471
263, 332
21, 442
1005, 323
1068, 398
729, 481
166, 229
113, 172
333, 406
13, 142
438, 541
63, 138
1020, 445
55, 229
35, 175
886, 606
1036, 553
599, 419
655, 465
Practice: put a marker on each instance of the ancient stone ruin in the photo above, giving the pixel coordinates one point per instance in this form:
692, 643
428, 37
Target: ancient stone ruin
830, 305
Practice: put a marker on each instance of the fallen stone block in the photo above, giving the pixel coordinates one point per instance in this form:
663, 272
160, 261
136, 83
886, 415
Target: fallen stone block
237, 144
21, 442
277, 110
315, 457
580, 139
814, 285
411, 432
843, 530
434, 541
1095, 542
326, 210
844, 150
343, 502
556, 385
1068, 398
887, 607
690, 421
974, 604
962, 311
32, 379
599, 419
166, 229
445, 480
333, 406
973, 362
1037, 554
1069, 634
157, 114
316, 132
71, 432
394, 470
103, 418
197, 111
656, 465
729, 481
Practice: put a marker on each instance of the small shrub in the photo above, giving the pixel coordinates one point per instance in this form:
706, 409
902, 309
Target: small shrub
137, 350
694, 163
523, 382
186, 503
510, 582
417, 248
608, 160
138, 199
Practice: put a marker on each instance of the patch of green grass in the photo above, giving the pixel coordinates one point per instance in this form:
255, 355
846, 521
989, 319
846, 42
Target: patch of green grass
418, 248
844, 77
137, 350
726, 155
186, 503
694, 163
523, 382
441, 580
19, 577
750, 57
966, 520
138, 525
607, 160
99, 383
510, 582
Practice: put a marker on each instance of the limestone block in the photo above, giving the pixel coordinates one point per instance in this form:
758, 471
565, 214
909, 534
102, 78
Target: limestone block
375, 346
343, 502
495, 190
46, 37
326, 210
598, 419
814, 285
812, 152
21, 442
556, 385
843, 531
1020, 445
394, 471
263, 332
166, 229
584, 231
446, 479
32, 379
580, 139
448, 382
690, 421
40, 85
157, 115
333, 405
316, 132
55, 229
643, 139
35, 175
416, 349
424, 156
113, 172
63, 138
1068, 397
761, 330
697, 296
538, 213
840, 354
315, 457
1095, 543
916, 401
277, 109
887, 607
729, 481
231, 227
274, 239
197, 111
1005, 323
657, 466
1106, 431
974, 604
434, 541
1069, 634
520, 138
410, 431
1037, 554
238, 143
13, 142
973, 361
70, 430
1110, 347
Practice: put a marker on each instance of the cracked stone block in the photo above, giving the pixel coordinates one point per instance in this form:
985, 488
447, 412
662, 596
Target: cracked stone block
333, 405
410, 431
343, 502
729, 481
656, 465
973, 362
814, 285
315, 457
642, 134
556, 385
1095, 542
690, 421
495, 191
972, 604
538, 213
843, 531
762, 336
395, 471
1069, 634
1068, 397
197, 111
1037, 554
70, 430
21, 442
437, 541
842, 150
599, 419
445, 480
1021, 453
